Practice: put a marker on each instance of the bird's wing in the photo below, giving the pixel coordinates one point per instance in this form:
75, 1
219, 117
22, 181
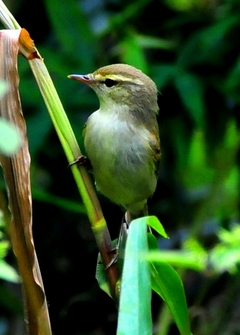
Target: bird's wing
156, 152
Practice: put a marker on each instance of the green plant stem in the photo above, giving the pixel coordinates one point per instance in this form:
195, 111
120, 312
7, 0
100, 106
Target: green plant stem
164, 321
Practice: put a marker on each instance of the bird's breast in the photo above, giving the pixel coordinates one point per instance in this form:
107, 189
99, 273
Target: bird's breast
120, 157
112, 140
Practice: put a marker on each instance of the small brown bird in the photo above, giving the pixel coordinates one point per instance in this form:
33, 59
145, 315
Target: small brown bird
122, 137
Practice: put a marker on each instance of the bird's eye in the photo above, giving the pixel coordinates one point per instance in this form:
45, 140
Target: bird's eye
110, 82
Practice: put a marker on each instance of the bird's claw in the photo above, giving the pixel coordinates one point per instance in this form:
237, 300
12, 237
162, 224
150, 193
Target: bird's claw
81, 160
114, 259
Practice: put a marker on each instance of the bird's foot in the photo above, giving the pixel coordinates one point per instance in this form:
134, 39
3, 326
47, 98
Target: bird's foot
81, 160
114, 258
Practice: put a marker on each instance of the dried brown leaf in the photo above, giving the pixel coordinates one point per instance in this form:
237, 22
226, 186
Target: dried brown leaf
26, 45
17, 176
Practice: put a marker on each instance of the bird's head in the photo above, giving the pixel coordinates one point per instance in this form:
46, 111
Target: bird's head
121, 85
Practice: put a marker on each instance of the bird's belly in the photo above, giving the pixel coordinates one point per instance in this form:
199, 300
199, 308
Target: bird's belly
122, 167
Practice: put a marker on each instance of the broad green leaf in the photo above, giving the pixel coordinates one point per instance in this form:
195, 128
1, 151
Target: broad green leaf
191, 256
184, 5
232, 135
231, 85
63, 203
191, 91
163, 74
167, 283
197, 173
180, 142
73, 19
132, 53
8, 273
135, 298
131, 9
101, 276
4, 246
152, 42
155, 224
206, 45
180, 259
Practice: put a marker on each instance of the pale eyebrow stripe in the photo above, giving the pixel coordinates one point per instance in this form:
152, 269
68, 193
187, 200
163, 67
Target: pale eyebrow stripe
118, 78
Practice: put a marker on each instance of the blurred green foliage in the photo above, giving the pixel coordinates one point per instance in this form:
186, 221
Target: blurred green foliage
10, 139
191, 50
7, 272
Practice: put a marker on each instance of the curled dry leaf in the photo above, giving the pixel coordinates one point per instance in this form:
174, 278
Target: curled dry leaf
17, 176
26, 45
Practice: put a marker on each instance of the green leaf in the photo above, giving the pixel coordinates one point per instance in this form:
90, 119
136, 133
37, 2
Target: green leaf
152, 42
102, 277
184, 5
167, 283
8, 273
225, 256
73, 31
132, 53
163, 74
10, 138
155, 224
135, 299
197, 173
128, 12
206, 45
191, 91
180, 259
192, 256
4, 246
232, 83
63, 203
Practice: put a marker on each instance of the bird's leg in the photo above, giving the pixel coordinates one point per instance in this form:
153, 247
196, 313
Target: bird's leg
129, 217
121, 242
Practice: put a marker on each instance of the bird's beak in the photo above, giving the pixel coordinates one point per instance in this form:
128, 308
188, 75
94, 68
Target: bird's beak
84, 78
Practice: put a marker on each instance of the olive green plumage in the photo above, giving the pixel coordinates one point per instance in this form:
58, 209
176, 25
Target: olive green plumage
122, 137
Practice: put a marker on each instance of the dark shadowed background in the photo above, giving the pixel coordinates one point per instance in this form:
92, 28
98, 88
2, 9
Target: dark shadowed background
191, 50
